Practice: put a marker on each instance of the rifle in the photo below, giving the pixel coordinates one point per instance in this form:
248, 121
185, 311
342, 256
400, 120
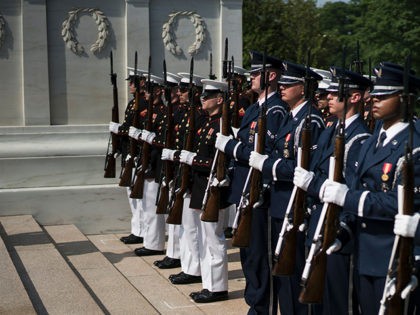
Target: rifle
285, 254
125, 180
234, 97
241, 235
218, 176
177, 198
138, 185
402, 260
110, 167
370, 121
211, 74
167, 170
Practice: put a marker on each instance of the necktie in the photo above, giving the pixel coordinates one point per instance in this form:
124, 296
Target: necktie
382, 138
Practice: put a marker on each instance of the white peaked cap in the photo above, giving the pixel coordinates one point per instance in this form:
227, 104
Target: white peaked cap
239, 70
156, 79
185, 78
173, 78
140, 72
214, 85
326, 78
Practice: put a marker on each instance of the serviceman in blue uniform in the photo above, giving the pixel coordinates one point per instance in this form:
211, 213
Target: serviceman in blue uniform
338, 265
371, 200
278, 166
254, 259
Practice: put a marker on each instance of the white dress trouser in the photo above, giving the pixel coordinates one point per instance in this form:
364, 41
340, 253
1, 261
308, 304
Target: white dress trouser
229, 216
154, 224
172, 247
213, 253
188, 240
137, 227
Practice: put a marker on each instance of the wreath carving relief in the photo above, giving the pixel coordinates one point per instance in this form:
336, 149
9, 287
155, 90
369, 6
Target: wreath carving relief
68, 34
168, 36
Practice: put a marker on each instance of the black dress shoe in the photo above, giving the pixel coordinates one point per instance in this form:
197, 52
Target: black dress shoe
184, 278
143, 251
168, 263
205, 296
194, 294
158, 263
131, 239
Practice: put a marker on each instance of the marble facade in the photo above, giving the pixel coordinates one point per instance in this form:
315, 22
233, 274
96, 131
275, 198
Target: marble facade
55, 101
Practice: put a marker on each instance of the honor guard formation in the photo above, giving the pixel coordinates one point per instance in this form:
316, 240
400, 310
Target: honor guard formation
313, 173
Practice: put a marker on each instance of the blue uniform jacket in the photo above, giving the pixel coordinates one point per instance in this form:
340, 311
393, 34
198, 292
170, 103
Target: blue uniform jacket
355, 134
276, 110
372, 203
288, 138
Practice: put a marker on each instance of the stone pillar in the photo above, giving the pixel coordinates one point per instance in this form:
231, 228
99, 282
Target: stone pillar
35, 89
138, 36
231, 27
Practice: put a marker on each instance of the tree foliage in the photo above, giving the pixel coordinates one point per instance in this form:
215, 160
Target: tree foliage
387, 30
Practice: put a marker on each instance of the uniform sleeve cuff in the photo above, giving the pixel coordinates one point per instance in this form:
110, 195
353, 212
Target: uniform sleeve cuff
362, 203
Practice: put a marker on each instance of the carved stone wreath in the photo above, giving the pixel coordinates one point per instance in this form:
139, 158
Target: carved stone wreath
69, 37
168, 34
2, 30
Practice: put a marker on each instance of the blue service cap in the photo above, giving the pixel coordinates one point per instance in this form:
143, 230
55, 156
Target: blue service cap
294, 73
390, 80
354, 80
257, 60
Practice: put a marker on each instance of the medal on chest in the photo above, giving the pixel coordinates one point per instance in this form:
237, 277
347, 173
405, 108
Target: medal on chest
252, 131
386, 168
286, 151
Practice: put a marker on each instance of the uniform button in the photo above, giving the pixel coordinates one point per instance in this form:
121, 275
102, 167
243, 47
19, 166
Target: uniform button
364, 185
363, 225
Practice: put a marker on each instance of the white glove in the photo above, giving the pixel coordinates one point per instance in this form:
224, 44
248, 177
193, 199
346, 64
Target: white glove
128, 157
134, 133
147, 136
113, 127
410, 287
406, 225
167, 155
335, 247
256, 160
335, 192
187, 157
235, 131
302, 178
221, 141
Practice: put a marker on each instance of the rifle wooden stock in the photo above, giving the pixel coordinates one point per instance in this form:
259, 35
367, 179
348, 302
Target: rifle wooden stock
313, 287
285, 262
168, 176
212, 204
138, 186
242, 235
110, 163
126, 176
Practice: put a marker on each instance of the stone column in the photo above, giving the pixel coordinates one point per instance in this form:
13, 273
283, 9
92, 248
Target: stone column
231, 27
35, 89
138, 35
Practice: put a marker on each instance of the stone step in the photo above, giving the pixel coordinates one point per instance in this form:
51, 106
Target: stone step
155, 286
51, 284
108, 285
14, 299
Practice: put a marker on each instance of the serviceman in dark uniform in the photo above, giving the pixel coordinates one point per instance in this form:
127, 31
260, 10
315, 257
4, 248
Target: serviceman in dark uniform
189, 254
210, 238
371, 200
154, 224
172, 258
336, 290
137, 228
254, 259
278, 166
